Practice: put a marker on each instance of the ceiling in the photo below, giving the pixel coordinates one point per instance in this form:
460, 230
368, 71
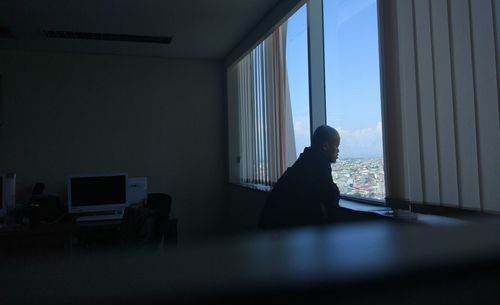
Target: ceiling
199, 28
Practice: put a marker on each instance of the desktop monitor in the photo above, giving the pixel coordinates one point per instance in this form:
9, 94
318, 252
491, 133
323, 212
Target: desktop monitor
97, 193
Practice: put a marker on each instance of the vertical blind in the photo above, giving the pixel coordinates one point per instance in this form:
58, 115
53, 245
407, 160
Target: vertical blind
448, 67
264, 111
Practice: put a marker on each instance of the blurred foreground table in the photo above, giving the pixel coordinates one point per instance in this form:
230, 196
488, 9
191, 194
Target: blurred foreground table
361, 263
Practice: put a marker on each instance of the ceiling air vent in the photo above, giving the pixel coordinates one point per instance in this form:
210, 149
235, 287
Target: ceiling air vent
5, 33
108, 37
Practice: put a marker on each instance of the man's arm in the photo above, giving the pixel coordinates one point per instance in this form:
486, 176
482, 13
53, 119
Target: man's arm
330, 201
336, 214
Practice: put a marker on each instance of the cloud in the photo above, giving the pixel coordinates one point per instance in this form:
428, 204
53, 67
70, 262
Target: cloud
361, 143
355, 143
301, 129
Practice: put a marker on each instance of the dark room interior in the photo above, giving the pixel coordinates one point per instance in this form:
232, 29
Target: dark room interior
139, 142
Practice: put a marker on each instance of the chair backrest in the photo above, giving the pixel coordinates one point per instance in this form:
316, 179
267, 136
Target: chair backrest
138, 226
38, 189
161, 202
147, 225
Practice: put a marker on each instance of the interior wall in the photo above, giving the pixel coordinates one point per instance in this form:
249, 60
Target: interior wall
233, 117
244, 208
446, 94
67, 114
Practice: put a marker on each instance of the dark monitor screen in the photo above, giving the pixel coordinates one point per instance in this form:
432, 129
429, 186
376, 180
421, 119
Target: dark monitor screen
99, 190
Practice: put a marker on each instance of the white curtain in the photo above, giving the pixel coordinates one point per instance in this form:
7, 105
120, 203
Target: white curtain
266, 137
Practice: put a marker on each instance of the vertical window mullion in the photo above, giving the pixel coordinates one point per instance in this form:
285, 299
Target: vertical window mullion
317, 96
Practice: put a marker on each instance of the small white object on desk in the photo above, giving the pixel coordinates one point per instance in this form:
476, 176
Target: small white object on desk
137, 190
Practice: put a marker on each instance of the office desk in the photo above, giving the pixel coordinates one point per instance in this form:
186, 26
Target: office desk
56, 239
363, 263
64, 238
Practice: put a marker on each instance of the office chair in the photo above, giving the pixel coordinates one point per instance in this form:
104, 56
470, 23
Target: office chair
43, 208
38, 189
162, 204
146, 226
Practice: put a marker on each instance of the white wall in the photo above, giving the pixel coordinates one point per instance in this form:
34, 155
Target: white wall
162, 118
244, 208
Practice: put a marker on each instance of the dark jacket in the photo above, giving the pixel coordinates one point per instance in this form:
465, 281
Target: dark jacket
304, 195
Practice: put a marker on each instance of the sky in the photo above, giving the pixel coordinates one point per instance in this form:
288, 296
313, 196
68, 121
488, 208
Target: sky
351, 73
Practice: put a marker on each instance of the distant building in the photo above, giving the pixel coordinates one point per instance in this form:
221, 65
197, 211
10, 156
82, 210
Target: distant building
360, 177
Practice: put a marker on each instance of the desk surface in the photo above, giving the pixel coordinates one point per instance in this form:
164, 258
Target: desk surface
308, 265
403, 214
62, 227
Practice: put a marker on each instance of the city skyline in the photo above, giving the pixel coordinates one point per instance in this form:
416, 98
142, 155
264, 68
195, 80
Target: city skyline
363, 177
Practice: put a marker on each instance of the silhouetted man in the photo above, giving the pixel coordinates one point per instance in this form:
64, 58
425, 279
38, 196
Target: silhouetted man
306, 193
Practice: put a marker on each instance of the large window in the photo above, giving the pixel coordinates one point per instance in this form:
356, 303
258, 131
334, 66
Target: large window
440, 107
352, 78
271, 86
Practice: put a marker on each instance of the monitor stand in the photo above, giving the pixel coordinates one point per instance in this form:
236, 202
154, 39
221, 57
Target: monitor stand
97, 216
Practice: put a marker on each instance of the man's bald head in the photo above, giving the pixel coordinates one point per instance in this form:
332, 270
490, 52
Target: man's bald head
327, 139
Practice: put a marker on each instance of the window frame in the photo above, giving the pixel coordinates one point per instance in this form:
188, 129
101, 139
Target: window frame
317, 84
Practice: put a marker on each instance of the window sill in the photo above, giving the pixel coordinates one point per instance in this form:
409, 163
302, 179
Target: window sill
370, 201
253, 186
377, 206
267, 188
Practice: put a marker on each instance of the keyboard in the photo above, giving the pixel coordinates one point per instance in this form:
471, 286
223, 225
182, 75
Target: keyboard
100, 217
